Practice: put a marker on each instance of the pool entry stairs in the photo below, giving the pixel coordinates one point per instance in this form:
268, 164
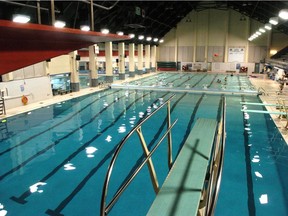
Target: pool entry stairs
192, 184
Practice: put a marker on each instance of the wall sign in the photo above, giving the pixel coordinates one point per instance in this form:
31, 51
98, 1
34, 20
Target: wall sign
236, 54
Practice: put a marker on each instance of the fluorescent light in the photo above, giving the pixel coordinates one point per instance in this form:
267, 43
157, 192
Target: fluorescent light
104, 31
85, 28
273, 52
21, 18
141, 37
283, 14
120, 33
131, 35
59, 24
273, 20
161, 41
262, 30
155, 39
258, 33
268, 26
149, 38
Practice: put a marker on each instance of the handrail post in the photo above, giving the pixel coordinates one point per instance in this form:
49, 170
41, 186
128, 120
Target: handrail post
169, 136
149, 162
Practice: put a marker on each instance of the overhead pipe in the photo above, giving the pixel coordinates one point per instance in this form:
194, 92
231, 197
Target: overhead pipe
100, 6
26, 5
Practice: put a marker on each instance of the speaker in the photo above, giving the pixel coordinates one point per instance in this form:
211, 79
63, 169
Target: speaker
117, 60
78, 57
48, 60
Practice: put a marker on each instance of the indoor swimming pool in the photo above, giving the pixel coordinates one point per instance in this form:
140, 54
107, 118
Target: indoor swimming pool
58, 166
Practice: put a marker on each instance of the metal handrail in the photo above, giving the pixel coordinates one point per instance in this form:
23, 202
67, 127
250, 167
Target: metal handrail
105, 208
263, 90
217, 162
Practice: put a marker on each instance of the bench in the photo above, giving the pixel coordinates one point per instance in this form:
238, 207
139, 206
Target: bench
181, 192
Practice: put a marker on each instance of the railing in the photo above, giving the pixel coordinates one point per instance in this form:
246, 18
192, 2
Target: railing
262, 91
216, 166
106, 208
284, 109
2, 107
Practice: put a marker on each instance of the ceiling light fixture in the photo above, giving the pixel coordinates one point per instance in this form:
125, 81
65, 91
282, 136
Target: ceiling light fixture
105, 31
141, 37
131, 35
59, 24
262, 30
161, 41
283, 14
120, 33
149, 38
273, 20
85, 28
19, 18
155, 39
268, 26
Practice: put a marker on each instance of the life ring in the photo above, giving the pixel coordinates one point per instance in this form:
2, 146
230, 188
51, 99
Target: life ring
24, 100
184, 67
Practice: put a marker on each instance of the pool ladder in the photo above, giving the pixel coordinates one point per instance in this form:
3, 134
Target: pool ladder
105, 208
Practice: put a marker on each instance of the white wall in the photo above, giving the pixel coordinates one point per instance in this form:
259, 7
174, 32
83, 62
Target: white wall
60, 64
207, 35
36, 89
36, 70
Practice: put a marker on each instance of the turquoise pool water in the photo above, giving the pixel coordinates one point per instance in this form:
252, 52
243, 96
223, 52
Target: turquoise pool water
203, 82
57, 167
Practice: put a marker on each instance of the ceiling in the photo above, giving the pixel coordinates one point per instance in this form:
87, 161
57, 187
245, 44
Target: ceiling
24, 45
150, 18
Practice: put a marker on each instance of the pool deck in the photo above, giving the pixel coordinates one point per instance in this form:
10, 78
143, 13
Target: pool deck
271, 96
260, 81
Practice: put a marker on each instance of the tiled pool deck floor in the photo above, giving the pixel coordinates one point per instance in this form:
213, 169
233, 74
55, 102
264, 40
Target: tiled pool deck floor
270, 87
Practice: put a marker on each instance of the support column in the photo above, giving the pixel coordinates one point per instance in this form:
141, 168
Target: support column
52, 12
47, 67
153, 58
147, 59
121, 63
140, 59
93, 66
207, 37
176, 46
247, 29
195, 21
38, 12
269, 38
131, 60
75, 85
227, 37
91, 15
108, 56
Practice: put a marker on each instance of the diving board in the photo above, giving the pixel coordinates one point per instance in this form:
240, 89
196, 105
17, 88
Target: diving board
260, 104
180, 194
264, 112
